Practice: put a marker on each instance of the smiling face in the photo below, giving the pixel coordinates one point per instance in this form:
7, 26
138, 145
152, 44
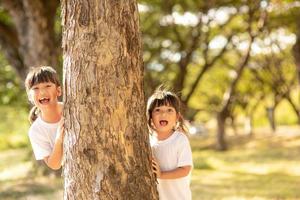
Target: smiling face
44, 94
164, 119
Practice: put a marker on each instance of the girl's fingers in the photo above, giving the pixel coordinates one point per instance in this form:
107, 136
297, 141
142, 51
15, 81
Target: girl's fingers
153, 161
154, 168
154, 165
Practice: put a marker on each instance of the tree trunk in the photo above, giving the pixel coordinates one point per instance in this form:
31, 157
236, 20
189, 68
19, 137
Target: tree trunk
227, 102
271, 117
221, 143
228, 97
271, 112
107, 153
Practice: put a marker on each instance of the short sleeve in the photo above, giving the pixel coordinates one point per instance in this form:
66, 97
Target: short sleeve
184, 152
40, 145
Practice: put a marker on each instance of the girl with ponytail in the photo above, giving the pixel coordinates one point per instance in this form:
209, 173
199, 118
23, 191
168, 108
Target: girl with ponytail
46, 130
172, 162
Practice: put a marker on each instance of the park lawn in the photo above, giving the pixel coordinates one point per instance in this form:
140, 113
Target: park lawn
263, 167
18, 182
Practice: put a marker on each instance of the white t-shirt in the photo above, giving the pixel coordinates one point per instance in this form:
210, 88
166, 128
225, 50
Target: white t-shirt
171, 153
42, 137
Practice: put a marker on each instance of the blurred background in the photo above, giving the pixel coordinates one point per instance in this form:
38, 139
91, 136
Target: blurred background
234, 64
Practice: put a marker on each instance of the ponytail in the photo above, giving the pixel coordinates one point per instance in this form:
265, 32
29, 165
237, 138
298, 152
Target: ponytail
182, 126
33, 114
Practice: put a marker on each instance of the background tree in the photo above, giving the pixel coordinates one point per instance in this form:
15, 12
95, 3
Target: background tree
275, 70
178, 39
286, 14
27, 34
191, 45
106, 144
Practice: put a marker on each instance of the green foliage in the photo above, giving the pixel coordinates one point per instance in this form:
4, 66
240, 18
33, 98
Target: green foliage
166, 42
260, 116
285, 115
11, 88
4, 17
13, 127
13, 109
284, 14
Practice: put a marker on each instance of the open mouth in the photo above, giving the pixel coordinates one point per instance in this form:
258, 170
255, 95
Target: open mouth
163, 122
44, 100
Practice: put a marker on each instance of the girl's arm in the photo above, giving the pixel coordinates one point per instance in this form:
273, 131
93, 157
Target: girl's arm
176, 173
173, 174
54, 160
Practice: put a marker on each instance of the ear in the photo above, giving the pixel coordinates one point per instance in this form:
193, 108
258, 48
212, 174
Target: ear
59, 91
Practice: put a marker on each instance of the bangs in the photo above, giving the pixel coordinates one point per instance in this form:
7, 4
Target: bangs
42, 75
164, 99
41, 78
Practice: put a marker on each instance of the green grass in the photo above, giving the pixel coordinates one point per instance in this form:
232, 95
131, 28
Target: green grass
264, 167
17, 180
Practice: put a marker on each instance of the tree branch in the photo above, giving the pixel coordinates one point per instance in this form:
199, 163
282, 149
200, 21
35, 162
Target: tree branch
208, 64
187, 52
206, 67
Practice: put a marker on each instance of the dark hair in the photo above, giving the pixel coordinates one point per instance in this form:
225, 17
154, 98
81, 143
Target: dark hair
163, 97
38, 75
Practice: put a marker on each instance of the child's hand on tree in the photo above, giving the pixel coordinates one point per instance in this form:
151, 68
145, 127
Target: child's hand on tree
156, 168
60, 131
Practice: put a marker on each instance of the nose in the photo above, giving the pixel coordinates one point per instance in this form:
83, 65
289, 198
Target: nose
42, 91
163, 112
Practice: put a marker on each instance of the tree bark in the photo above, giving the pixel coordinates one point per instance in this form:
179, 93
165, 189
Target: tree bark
107, 153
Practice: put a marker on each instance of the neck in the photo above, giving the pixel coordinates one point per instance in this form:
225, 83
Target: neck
52, 114
164, 135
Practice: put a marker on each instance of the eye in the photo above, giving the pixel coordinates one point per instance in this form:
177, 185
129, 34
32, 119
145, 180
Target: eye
156, 110
48, 85
34, 88
170, 110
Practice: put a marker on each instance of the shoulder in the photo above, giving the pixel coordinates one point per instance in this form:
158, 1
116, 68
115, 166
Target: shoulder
153, 140
35, 128
35, 125
181, 138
